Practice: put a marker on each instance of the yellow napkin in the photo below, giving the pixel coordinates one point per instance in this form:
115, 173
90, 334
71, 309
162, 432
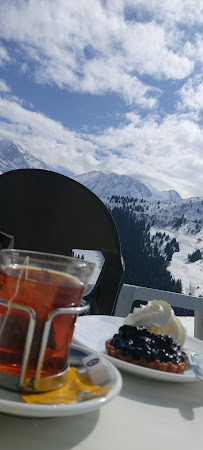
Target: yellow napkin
77, 388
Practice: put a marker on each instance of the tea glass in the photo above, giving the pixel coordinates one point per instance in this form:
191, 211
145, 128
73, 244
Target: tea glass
40, 298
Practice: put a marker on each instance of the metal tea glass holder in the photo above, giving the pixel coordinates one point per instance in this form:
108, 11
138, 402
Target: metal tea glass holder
38, 383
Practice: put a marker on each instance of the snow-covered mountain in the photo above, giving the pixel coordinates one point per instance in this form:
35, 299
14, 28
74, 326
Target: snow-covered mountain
105, 185
13, 157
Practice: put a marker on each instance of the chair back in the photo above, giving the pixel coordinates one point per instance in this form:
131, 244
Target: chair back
131, 294
49, 212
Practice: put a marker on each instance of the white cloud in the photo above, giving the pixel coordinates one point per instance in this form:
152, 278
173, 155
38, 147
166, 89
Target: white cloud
99, 48
191, 94
3, 86
100, 77
45, 138
167, 153
170, 11
4, 57
94, 49
148, 50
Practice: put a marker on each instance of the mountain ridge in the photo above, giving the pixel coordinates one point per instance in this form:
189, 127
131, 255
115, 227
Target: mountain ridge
105, 185
13, 156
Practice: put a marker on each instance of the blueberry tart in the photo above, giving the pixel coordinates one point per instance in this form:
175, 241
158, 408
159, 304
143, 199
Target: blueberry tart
139, 346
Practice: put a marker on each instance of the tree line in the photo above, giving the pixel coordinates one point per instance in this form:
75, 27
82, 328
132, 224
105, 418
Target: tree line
144, 264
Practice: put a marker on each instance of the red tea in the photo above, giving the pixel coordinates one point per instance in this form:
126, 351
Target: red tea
44, 291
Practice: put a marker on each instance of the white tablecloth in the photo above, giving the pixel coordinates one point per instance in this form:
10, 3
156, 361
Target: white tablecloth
147, 415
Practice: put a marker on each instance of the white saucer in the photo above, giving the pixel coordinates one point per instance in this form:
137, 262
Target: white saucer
92, 332
12, 403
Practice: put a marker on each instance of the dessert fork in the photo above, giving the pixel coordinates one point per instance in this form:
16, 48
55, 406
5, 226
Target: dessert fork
195, 360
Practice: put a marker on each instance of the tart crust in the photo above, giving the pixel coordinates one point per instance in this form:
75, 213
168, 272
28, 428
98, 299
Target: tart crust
157, 365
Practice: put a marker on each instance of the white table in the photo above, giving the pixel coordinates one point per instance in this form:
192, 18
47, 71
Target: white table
146, 415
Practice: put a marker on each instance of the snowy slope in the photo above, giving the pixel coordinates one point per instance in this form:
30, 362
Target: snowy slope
182, 220
191, 274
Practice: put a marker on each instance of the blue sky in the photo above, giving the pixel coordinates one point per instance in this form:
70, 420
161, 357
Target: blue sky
112, 85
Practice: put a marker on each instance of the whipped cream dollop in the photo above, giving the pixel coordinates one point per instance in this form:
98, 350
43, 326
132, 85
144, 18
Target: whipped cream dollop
158, 317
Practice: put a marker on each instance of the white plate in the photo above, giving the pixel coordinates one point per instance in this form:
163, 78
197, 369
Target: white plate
93, 331
12, 403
